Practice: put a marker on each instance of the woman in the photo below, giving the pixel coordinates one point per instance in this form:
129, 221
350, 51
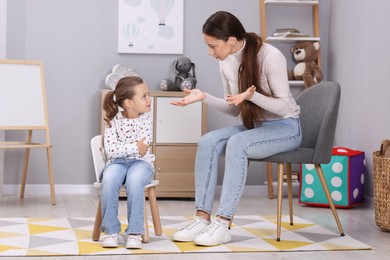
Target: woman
254, 77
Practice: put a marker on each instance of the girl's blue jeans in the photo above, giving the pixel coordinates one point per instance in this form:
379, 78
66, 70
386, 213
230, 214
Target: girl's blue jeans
238, 143
135, 175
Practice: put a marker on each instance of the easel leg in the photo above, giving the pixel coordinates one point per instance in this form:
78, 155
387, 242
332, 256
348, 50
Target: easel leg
51, 177
25, 166
24, 174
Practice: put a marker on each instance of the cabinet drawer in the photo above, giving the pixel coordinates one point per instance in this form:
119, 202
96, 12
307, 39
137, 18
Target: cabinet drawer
175, 168
175, 158
175, 182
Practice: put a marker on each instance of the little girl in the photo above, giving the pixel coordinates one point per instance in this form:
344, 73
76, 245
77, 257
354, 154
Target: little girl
127, 136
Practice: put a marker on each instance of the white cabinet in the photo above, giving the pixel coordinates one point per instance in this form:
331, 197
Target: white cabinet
176, 134
176, 131
177, 124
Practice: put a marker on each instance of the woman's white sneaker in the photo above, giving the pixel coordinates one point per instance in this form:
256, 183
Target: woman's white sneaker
191, 230
215, 234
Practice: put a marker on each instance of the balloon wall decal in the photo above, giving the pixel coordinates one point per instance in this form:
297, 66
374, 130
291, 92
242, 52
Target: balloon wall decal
131, 31
162, 9
150, 26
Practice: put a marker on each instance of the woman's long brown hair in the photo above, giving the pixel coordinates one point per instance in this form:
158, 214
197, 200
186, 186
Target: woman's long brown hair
223, 25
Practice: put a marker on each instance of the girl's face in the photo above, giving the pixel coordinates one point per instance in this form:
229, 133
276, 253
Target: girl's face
217, 48
140, 103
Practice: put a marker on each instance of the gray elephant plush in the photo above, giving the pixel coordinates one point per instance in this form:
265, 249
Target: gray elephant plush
183, 77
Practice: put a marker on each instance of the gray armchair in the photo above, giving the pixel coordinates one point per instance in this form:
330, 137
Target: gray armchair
319, 109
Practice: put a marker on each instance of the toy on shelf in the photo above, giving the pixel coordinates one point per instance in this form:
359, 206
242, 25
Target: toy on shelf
305, 55
183, 78
118, 71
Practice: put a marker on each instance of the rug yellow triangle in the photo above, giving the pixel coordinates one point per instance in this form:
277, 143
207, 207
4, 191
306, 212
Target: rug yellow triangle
296, 226
188, 246
37, 229
32, 252
260, 232
6, 235
123, 228
82, 234
4, 248
169, 232
90, 247
286, 244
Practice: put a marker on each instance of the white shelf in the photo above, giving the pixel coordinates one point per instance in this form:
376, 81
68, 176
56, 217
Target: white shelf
292, 3
291, 39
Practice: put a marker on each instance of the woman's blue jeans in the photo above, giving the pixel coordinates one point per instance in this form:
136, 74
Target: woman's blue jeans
135, 175
238, 143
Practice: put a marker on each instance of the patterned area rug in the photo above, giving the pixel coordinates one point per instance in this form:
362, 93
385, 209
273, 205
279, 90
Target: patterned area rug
72, 236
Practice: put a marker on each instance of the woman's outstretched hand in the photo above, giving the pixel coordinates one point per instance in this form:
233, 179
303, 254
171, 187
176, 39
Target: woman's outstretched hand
239, 98
194, 95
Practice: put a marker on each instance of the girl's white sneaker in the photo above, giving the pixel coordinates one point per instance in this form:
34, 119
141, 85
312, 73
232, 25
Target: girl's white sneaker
110, 240
134, 242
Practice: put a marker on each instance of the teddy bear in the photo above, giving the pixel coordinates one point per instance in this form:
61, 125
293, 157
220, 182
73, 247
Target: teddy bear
305, 55
183, 77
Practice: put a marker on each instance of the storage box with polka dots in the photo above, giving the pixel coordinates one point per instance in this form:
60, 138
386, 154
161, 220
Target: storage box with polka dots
344, 176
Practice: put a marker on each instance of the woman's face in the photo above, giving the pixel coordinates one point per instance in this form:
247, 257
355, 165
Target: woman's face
217, 48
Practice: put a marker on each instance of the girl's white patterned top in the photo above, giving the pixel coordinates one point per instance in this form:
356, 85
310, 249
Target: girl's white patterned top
120, 140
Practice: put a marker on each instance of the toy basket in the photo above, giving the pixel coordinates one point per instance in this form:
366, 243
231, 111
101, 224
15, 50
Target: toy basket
381, 172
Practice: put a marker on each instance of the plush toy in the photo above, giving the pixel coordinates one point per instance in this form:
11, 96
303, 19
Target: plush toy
305, 55
183, 77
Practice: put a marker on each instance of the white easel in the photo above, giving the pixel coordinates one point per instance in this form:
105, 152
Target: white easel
23, 107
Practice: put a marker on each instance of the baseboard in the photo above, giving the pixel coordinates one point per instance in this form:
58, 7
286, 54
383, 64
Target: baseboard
8, 189
45, 189
250, 190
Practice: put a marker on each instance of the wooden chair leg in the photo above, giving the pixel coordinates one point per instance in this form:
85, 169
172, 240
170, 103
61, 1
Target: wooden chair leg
280, 194
145, 236
270, 181
330, 201
289, 191
154, 210
98, 222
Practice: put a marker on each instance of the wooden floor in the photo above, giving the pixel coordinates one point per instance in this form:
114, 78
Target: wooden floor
357, 222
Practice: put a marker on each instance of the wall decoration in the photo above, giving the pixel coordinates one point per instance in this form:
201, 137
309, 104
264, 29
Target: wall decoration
150, 26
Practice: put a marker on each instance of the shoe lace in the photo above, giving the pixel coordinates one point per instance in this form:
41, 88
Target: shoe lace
113, 236
192, 224
213, 227
134, 237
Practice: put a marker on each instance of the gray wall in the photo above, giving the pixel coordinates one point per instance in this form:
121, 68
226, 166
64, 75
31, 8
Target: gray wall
359, 59
76, 40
